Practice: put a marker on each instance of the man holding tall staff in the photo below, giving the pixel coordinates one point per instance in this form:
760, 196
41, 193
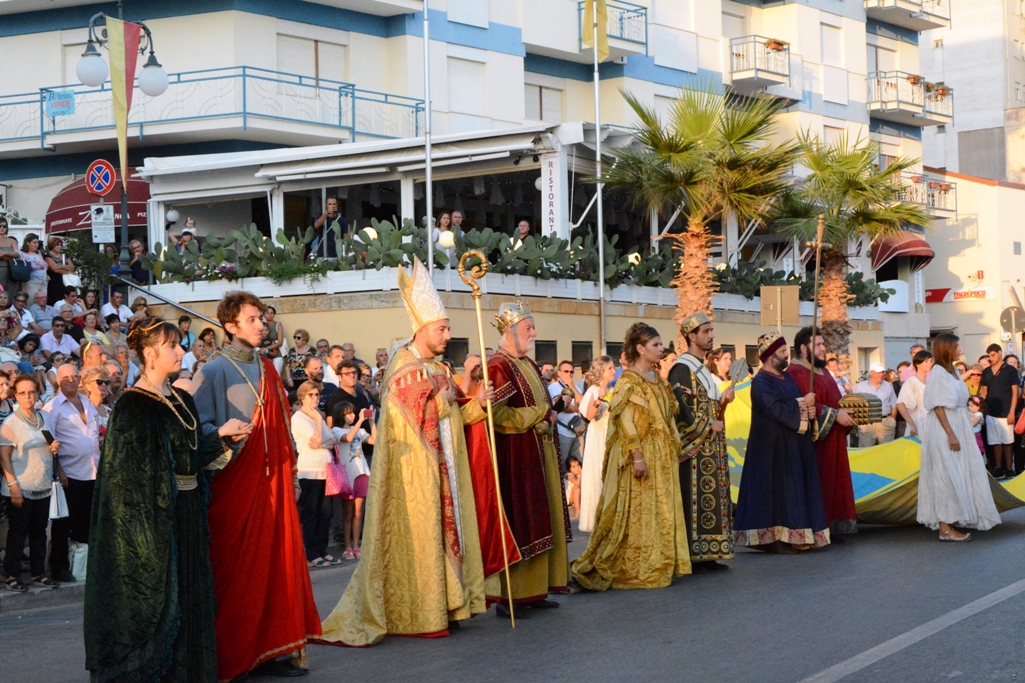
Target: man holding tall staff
420, 565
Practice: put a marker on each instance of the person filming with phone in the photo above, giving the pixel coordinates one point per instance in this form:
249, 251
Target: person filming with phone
28, 463
348, 377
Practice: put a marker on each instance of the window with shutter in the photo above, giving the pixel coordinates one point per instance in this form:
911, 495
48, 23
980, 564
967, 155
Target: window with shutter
663, 105
465, 86
72, 56
551, 105
832, 45
472, 12
297, 56
532, 100
331, 61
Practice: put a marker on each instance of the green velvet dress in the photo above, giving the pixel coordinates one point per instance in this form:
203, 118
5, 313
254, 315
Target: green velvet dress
149, 600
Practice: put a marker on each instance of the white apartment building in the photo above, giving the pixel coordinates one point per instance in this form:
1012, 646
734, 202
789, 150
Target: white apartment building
511, 98
981, 54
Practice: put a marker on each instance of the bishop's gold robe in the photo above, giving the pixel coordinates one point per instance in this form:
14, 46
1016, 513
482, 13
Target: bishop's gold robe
421, 562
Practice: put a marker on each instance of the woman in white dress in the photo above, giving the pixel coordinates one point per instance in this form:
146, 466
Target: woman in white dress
953, 486
596, 409
911, 402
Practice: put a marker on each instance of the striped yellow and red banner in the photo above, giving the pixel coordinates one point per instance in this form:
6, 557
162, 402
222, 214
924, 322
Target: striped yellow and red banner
123, 44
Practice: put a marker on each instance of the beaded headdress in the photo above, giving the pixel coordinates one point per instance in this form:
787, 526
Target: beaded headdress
510, 314
769, 343
693, 322
420, 297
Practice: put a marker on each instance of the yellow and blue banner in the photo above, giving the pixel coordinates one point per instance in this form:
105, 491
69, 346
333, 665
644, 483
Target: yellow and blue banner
123, 45
885, 477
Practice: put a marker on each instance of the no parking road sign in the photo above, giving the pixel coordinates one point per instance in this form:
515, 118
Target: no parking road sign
100, 178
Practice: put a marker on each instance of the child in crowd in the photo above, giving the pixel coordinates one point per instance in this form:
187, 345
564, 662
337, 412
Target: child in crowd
977, 414
573, 486
351, 438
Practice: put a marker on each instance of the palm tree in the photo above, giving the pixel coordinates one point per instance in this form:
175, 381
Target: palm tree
858, 199
712, 158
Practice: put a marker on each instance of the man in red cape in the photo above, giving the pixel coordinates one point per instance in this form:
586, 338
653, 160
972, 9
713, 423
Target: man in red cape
265, 605
831, 429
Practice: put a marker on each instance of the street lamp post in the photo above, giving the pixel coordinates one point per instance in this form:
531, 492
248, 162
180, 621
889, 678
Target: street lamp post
92, 71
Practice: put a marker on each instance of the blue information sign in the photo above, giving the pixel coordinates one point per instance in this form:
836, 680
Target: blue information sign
60, 102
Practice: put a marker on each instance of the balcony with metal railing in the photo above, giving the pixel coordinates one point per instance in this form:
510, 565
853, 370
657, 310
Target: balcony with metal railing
906, 98
627, 27
937, 197
917, 15
234, 102
757, 63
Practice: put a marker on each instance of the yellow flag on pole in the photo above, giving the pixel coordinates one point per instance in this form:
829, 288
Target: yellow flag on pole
587, 26
123, 44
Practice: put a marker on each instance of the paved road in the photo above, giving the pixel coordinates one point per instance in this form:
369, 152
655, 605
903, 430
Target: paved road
785, 619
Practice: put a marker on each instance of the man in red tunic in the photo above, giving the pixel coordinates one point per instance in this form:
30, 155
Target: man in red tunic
831, 429
265, 607
528, 467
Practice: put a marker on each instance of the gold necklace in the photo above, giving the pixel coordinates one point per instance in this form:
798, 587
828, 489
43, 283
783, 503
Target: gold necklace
156, 393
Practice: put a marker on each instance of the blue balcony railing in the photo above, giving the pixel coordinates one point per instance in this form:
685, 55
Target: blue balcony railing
626, 21
241, 92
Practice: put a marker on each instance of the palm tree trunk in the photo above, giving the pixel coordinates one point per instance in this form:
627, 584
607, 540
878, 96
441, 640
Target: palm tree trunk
694, 282
833, 298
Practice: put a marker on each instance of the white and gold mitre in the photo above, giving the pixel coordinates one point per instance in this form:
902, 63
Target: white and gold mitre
510, 314
420, 297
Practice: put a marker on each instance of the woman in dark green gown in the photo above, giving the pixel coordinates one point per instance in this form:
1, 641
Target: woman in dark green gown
149, 600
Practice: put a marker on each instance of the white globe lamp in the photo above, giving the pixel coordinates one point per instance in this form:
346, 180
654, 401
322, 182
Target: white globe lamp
92, 69
153, 79
447, 239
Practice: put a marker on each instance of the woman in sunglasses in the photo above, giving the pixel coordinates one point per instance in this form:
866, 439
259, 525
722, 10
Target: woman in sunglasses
96, 385
295, 373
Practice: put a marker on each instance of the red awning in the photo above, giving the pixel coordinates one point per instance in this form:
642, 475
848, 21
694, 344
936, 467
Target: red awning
69, 210
904, 244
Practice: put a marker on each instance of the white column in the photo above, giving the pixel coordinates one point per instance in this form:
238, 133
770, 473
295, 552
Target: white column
653, 230
155, 217
406, 200
732, 239
277, 210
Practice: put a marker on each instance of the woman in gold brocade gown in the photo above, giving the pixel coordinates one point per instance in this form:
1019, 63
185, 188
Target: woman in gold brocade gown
639, 539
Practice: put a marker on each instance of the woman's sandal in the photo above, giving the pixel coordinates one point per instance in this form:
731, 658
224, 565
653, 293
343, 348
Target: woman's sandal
949, 538
44, 582
319, 562
13, 584
331, 559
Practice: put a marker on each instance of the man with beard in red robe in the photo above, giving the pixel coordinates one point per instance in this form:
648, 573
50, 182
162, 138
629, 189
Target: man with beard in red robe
528, 468
832, 427
265, 607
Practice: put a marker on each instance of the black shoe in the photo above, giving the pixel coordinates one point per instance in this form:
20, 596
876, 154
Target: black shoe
242, 678
837, 538
281, 668
66, 577
502, 611
543, 604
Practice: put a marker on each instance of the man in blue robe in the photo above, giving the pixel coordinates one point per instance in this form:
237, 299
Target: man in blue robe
780, 505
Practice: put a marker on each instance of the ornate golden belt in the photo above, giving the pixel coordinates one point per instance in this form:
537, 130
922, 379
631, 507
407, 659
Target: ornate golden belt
186, 482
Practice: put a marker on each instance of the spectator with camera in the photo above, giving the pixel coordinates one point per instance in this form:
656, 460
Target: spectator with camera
566, 401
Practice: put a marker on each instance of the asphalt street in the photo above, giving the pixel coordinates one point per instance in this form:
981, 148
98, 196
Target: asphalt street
801, 618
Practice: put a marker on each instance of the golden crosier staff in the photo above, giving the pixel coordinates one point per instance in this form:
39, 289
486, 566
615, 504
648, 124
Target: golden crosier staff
817, 245
477, 273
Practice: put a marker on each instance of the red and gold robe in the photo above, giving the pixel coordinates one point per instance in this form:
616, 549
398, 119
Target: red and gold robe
421, 563
830, 450
530, 479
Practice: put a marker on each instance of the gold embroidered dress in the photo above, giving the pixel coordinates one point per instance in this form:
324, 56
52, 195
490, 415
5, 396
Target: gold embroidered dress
640, 536
421, 563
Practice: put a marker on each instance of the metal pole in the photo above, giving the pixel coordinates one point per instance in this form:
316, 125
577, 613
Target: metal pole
429, 189
815, 299
125, 256
597, 161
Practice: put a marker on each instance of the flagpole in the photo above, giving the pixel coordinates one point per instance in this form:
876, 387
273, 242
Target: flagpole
429, 189
597, 161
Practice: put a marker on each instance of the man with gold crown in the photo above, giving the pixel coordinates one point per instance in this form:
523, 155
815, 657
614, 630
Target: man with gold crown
528, 468
780, 505
704, 466
421, 563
